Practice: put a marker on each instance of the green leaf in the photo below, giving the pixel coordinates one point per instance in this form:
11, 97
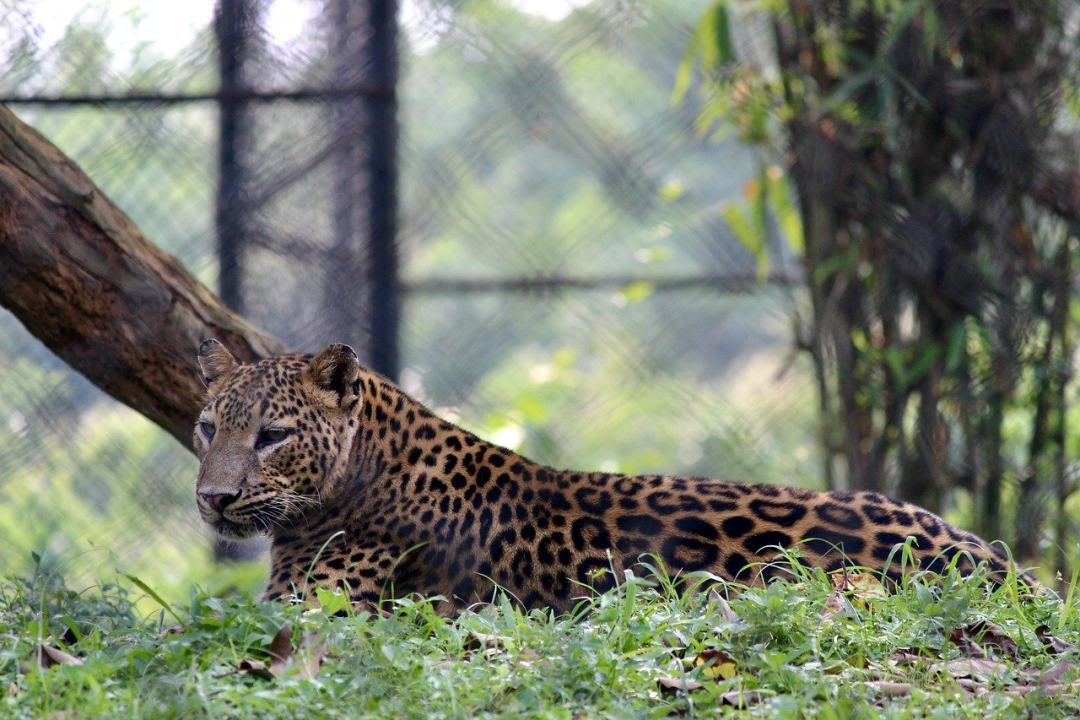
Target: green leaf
923, 363
723, 51
957, 342
749, 233
787, 215
331, 601
711, 42
685, 71
153, 594
847, 89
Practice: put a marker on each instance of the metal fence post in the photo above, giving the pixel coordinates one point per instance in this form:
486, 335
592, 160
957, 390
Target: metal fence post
363, 259
383, 281
233, 22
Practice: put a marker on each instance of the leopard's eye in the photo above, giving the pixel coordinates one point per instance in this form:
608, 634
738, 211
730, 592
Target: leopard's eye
207, 429
270, 436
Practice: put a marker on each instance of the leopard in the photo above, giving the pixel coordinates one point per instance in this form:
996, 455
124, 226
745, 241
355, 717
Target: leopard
362, 489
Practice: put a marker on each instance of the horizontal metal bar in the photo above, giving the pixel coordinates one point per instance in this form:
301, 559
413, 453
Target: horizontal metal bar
137, 98
552, 284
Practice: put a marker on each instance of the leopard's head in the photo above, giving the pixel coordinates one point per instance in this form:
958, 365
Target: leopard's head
275, 436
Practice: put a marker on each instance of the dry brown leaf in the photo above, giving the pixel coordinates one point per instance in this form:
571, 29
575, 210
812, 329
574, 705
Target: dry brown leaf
835, 606
851, 589
312, 653
281, 650
741, 698
1054, 645
1049, 690
685, 684
257, 668
972, 637
718, 664
1053, 673
975, 687
481, 641
966, 644
909, 656
47, 656
304, 662
889, 688
976, 668
862, 585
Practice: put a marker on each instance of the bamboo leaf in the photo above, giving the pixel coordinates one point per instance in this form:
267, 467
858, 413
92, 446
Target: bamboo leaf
787, 215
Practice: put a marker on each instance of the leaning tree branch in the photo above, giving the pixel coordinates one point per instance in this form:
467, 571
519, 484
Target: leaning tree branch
83, 279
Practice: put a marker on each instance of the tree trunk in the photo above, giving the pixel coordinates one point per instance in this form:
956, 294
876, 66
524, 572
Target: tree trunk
84, 280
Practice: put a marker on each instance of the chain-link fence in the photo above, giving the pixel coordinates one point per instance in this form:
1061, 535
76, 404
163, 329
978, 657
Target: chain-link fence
507, 213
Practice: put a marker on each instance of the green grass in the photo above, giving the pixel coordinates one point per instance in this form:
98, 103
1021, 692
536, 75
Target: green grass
782, 648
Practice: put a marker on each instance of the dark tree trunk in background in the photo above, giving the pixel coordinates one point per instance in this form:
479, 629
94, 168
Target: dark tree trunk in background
234, 25
83, 280
364, 253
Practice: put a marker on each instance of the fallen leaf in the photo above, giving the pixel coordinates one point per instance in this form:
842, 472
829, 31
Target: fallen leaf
281, 650
1051, 690
975, 687
481, 641
910, 656
889, 688
251, 667
303, 663
835, 606
976, 668
971, 637
741, 698
1054, 645
718, 664
1051, 674
862, 585
47, 656
966, 644
684, 684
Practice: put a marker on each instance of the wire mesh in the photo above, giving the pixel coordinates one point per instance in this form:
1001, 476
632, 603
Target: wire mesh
566, 282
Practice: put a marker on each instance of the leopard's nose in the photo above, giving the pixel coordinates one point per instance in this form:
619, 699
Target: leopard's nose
218, 500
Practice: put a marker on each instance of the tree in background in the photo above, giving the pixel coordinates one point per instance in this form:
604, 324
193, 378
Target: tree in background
938, 213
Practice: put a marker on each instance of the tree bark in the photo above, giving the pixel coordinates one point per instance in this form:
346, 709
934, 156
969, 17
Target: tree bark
82, 278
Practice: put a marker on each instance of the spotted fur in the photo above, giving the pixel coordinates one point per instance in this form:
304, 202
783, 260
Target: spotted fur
368, 489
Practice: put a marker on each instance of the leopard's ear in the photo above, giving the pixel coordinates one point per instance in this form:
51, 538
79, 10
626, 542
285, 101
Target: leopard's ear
335, 369
215, 361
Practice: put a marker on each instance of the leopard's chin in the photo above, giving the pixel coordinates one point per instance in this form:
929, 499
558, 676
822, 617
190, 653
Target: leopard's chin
232, 530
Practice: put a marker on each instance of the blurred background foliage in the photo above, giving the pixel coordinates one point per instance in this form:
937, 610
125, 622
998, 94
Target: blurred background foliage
612, 247
933, 149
